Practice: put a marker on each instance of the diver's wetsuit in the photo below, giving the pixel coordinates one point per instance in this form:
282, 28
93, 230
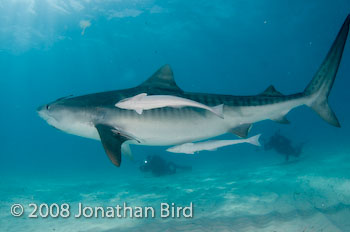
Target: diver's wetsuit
160, 167
283, 145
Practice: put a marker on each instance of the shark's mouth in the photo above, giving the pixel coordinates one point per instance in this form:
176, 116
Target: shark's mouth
44, 114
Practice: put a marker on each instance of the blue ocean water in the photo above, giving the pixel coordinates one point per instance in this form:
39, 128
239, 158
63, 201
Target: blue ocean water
54, 48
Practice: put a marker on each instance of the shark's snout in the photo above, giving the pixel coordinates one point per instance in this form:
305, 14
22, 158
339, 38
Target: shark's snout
40, 108
43, 111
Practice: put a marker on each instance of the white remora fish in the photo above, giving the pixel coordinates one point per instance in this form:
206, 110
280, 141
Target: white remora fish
211, 145
142, 102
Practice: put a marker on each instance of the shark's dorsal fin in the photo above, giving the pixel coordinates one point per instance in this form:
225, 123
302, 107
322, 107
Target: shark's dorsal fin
271, 92
162, 79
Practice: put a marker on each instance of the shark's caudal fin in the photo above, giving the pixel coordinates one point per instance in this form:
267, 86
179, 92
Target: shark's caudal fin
254, 140
320, 86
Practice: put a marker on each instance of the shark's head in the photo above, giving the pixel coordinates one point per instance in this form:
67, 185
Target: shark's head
67, 116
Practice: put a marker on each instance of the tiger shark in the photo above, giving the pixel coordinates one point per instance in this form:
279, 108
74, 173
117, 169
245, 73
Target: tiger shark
95, 115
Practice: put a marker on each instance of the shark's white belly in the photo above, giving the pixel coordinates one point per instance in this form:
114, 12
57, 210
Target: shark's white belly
176, 131
155, 132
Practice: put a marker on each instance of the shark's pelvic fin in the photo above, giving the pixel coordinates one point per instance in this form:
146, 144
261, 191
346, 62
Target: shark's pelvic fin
321, 84
162, 79
241, 130
271, 92
282, 119
111, 142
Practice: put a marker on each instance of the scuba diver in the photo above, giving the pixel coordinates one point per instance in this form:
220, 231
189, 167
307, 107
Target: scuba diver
283, 146
160, 167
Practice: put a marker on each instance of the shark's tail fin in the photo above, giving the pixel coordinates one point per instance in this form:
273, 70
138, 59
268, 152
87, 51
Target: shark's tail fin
320, 86
254, 140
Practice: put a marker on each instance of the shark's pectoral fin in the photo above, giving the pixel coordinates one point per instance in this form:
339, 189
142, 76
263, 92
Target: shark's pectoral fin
111, 142
281, 119
241, 130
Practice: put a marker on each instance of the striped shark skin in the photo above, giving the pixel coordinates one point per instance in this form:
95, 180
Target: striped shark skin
95, 116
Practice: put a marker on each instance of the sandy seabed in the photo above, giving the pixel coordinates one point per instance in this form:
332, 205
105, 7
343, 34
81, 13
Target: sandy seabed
306, 195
